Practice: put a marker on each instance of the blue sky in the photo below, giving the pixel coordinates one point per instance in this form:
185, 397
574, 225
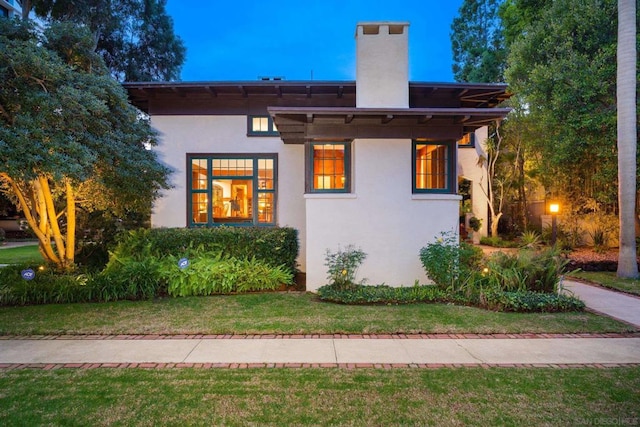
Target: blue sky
298, 40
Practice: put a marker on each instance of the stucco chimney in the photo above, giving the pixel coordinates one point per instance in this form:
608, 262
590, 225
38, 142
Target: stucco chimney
382, 70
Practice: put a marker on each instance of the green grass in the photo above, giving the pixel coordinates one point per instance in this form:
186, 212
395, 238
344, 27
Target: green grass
20, 254
283, 313
608, 279
442, 397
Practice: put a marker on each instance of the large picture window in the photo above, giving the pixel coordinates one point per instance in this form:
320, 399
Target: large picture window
433, 167
232, 189
329, 167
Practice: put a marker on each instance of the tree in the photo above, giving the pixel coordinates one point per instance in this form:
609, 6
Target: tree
69, 137
478, 44
134, 37
627, 136
562, 64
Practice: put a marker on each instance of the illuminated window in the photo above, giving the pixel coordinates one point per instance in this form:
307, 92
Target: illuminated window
468, 140
329, 167
232, 190
261, 126
432, 167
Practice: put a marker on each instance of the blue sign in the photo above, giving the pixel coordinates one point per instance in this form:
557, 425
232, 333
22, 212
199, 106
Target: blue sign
28, 274
183, 263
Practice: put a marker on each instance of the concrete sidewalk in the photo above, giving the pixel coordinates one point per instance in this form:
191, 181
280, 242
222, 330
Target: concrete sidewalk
378, 351
618, 305
322, 352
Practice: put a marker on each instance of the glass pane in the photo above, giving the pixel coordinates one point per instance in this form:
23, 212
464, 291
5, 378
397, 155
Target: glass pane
260, 124
265, 207
232, 167
199, 174
265, 174
199, 207
431, 166
232, 200
329, 167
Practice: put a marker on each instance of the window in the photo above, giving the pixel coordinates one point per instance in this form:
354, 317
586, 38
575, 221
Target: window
232, 189
468, 140
261, 126
433, 167
328, 167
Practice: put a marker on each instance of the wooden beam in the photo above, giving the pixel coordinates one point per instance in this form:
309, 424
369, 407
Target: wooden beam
348, 118
425, 118
386, 119
243, 91
340, 91
211, 91
308, 88
462, 119
309, 118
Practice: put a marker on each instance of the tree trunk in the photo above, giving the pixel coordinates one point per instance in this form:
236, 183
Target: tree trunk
627, 137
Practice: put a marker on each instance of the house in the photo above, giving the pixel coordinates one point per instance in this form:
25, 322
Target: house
374, 163
10, 8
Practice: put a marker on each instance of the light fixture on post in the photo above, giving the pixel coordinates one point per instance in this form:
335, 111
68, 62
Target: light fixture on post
554, 208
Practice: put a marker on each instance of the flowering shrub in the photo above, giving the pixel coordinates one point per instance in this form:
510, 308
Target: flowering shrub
342, 266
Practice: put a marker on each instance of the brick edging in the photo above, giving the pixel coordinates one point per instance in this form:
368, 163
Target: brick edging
348, 366
320, 336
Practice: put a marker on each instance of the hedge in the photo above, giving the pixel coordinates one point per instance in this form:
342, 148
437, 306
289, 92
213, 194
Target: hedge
274, 246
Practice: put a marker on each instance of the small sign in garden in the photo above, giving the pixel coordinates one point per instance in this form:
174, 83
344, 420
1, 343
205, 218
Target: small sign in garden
183, 263
28, 274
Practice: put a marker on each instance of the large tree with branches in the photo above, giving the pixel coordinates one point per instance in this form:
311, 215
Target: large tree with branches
68, 135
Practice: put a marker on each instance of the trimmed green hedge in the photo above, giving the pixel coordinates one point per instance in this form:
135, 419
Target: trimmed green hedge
274, 246
381, 294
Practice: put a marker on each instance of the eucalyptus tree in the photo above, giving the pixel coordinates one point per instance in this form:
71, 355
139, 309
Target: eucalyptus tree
134, 37
68, 135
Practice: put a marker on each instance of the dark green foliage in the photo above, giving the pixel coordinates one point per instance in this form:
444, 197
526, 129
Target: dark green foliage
210, 273
382, 294
525, 302
479, 51
449, 263
48, 287
342, 265
275, 246
129, 279
497, 242
134, 37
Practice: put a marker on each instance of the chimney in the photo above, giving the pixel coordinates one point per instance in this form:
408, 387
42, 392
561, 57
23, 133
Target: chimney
382, 70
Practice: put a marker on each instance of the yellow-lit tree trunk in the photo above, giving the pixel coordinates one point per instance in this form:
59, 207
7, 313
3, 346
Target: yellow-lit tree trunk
37, 203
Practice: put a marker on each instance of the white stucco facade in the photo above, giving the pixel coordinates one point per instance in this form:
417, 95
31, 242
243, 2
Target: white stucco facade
385, 212
470, 169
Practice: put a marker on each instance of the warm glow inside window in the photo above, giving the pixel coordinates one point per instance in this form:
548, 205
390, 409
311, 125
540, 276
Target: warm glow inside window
329, 167
468, 140
261, 126
431, 166
233, 190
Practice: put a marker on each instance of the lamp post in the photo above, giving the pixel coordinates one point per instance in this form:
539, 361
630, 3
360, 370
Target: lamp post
554, 208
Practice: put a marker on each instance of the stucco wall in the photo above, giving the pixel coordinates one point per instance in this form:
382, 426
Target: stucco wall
225, 134
468, 168
381, 216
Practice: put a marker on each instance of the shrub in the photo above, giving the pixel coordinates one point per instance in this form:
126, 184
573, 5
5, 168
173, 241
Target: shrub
497, 242
3, 235
475, 223
382, 294
275, 246
128, 278
524, 302
526, 271
342, 266
449, 263
530, 240
47, 287
210, 273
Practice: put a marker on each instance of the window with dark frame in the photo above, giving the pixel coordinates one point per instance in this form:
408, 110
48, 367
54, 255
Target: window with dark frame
329, 167
258, 125
468, 140
232, 189
432, 167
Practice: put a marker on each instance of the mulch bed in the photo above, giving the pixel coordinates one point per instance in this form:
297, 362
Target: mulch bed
588, 260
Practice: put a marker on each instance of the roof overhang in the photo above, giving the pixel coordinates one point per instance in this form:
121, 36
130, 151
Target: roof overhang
299, 124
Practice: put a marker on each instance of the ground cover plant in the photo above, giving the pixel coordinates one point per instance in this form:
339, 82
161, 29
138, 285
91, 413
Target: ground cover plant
178, 262
442, 397
284, 313
526, 281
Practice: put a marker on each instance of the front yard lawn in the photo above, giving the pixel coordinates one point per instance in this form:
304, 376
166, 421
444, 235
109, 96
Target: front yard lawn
284, 313
608, 279
283, 397
21, 254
